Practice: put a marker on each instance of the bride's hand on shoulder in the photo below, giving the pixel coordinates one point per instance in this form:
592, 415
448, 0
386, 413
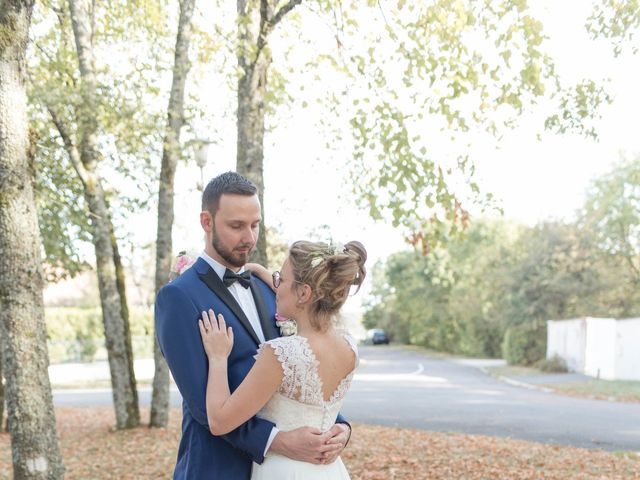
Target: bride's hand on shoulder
217, 338
261, 272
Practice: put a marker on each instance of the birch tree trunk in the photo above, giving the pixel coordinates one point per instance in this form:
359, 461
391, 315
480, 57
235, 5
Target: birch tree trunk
31, 418
171, 153
1, 392
85, 161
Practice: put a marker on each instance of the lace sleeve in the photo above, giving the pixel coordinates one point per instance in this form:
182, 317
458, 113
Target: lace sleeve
353, 343
286, 351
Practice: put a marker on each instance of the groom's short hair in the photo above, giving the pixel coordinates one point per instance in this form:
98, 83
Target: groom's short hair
228, 182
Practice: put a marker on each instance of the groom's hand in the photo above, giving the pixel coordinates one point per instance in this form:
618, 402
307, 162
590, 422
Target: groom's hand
307, 444
340, 436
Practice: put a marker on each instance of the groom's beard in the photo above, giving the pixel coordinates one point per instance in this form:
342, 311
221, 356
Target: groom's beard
236, 257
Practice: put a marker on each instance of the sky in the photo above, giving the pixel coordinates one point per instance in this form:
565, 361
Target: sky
534, 175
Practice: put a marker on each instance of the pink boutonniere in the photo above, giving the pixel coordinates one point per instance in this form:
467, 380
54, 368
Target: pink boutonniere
182, 264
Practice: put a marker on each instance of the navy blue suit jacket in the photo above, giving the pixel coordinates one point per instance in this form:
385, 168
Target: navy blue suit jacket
179, 306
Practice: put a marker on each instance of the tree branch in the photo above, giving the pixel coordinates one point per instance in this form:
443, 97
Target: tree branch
283, 11
69, 145
268, 24
264, 14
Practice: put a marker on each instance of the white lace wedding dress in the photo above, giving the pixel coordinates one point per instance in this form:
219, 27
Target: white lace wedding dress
299, 402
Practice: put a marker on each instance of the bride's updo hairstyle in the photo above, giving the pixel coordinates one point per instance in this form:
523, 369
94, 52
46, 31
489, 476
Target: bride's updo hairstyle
330, 271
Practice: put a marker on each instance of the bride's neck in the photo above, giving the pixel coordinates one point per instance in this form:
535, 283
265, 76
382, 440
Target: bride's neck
304, 325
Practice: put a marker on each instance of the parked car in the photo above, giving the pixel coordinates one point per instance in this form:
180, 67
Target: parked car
377, 336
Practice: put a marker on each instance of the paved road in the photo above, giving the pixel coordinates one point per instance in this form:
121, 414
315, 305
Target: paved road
397, 387
408, 389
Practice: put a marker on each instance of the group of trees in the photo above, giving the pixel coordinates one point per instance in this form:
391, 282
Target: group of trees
102, 93
503, 280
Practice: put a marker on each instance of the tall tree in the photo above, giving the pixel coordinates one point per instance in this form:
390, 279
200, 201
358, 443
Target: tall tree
446, 70
84, 154
408, 72
1, 393
129, 121
611, 216
31, 417
170, 157
256, 21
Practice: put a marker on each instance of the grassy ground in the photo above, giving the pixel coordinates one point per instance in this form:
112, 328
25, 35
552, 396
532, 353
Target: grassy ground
145, 382
618, 390
514, 371
92, 450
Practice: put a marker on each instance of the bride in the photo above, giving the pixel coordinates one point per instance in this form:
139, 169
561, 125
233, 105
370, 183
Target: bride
299, 380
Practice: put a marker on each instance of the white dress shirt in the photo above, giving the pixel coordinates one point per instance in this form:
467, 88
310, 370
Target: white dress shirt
244, 297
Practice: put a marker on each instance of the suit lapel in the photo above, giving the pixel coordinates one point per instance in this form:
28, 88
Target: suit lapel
215, 284
263, 313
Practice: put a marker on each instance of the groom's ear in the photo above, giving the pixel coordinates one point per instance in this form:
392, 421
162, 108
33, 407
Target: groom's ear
206, 221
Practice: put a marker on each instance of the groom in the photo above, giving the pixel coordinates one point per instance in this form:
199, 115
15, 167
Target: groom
230, 218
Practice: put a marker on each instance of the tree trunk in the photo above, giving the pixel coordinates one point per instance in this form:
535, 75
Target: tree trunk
31, 418
1, 392
256, 20
117, 335
124, 310
250, 149
170, 155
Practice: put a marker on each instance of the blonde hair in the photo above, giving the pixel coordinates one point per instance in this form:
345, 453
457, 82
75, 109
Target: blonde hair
330, 271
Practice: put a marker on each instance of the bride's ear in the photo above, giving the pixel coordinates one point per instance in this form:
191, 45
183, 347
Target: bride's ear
304, 294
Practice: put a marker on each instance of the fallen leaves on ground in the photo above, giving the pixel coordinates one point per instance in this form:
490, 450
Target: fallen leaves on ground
93, 450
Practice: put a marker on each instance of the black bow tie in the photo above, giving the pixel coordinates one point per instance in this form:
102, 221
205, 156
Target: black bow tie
243, 278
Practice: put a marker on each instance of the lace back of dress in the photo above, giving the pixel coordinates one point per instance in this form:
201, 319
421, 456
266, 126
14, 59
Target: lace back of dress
301, 381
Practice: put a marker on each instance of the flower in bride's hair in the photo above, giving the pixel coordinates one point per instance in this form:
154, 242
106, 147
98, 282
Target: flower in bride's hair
287, 326
316, 261
320, 256
182, 264
336, 248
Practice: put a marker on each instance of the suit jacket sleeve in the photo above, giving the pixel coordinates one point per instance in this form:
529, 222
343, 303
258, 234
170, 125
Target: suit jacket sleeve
179, 339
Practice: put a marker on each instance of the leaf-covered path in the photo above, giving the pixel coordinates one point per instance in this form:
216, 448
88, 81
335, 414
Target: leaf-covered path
92, 450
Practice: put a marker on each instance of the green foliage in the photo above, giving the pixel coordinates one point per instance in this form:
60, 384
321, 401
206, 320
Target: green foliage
579, 107
491, 291
552, 274
63, 222
555, 364
277, 249
445, 301
618, 21
444, 69
610, 219
525, 343
77, 333
128, 85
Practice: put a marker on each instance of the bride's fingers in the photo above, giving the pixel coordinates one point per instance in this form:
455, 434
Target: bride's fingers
205, 321
230, 334
203, 330
222, 326
328, 448
212, 320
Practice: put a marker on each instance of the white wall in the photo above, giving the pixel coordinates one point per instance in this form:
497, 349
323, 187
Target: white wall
599, 347
567, 339
627, 353
600, 354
